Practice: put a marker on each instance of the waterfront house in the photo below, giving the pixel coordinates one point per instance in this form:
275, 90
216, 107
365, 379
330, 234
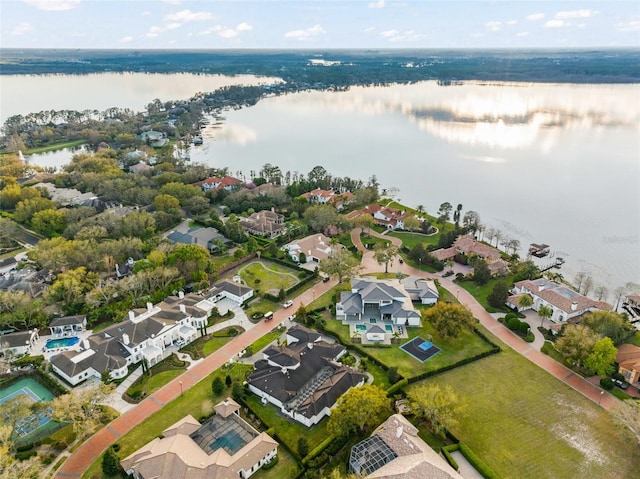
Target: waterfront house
467, 247
223, 447
304, 378
214, 183
565, 303
628, 361
390, 218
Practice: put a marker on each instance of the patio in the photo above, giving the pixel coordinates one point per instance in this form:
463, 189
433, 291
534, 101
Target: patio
375, 330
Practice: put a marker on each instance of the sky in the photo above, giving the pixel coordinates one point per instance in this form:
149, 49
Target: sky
323, 24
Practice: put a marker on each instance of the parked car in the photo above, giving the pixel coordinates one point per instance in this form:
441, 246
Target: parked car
621, 384
268, 316
325, 279
287, 304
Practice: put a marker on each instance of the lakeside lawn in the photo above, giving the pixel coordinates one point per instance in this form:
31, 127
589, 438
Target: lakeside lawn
481, 292
57, 146
525, 423
452, 350
411, 239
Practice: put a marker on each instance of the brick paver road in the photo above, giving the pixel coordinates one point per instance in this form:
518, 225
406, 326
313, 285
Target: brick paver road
82, 458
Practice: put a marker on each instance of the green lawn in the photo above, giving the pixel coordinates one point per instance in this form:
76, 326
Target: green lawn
480, 292
195, 401
261, 343
268, 276
524, 423
205, 345
452, 350
287, 430
411, 239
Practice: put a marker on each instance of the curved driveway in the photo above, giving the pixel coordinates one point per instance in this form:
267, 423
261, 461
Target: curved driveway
591, 391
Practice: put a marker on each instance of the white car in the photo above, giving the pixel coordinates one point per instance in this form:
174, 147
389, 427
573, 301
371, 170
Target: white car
287, 304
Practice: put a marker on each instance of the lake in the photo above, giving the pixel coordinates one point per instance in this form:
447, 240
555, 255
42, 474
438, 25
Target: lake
544, 163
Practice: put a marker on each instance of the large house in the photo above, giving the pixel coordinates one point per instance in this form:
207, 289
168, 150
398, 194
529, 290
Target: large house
423, 291
209, 238
319, 196
18, 343
264, 223
468, 246
214, 183
565, 303
390, 218
148, 334
315, 248
395, 451
224, 447
231, 290
303, 378
628, 360
375, 300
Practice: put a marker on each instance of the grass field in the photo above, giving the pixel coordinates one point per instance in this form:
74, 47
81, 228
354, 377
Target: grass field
524, 423
268, 277
480, 292
452, 350
411, 239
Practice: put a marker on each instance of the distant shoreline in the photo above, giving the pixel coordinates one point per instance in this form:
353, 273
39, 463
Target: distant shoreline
343, 68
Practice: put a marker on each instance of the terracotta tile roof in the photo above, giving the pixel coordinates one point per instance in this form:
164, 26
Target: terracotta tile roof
560, 296
468, 245
628, 357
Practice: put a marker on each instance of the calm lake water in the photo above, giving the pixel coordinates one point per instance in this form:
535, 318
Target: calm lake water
558, 164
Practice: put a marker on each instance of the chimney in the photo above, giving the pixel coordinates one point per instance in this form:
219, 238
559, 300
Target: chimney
149, 306
574, 306
181, 294
399, 431
183, 309
125, 339
310, 345
132, 315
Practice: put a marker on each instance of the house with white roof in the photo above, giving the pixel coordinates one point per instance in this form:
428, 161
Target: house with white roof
565, 303
149, 334
375, 300
223, 447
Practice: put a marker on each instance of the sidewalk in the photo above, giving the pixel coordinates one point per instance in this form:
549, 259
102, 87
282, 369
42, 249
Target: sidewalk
81, 458
531, 351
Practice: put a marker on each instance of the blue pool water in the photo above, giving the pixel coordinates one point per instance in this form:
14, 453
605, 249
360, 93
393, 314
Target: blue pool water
62, 342
388, 328
361, 327
425, 346
232, 442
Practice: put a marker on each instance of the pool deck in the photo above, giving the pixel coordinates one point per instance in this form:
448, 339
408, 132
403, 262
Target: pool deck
40, 346
355, 329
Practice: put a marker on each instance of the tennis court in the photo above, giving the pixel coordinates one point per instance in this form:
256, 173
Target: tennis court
420, 349
33, 392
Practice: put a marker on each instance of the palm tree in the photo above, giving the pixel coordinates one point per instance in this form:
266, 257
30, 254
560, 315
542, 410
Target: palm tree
545, 312
525, 301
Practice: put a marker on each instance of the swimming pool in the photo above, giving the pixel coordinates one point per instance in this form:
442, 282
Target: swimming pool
388, 328
361, 327
62, 342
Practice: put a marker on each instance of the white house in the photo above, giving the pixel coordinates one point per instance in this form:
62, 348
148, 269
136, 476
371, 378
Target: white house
303, 379
563, 301
234, 291
68, 325
18, 343
315, 247
150, 334
374, 300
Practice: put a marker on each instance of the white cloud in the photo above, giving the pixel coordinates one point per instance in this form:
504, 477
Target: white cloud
184, 16
22, 28
630, 26
493, 26
53, 5
126, 39
554, 24
575, 14
172, 2
522, 34
244, 27
378, 4
404, 36
228, 33
307, 33
535, 16
512, 22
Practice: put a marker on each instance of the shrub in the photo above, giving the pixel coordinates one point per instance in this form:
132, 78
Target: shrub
228, 381
303, 446
523, 328
217, 386
233, 332
606, 383
392, 375
110, 462
513, 324
509, 316
24, 455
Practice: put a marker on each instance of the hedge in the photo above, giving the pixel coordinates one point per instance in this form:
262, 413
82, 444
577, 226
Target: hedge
447, 450
478, 463
316, 451
397, 387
